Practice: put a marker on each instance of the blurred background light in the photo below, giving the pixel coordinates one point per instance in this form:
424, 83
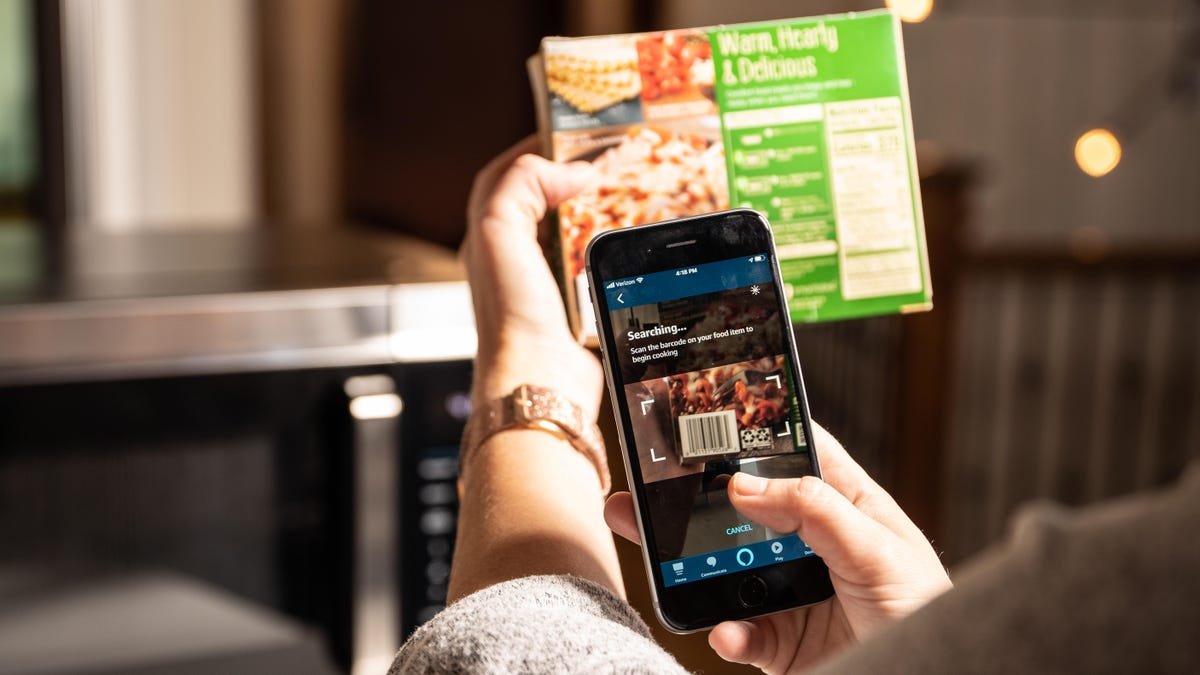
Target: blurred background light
376, 406
1097, 152
911, 11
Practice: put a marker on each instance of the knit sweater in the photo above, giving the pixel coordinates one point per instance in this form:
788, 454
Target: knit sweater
538, 624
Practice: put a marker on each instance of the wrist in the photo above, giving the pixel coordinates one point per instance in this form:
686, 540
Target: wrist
556, 364
532, 407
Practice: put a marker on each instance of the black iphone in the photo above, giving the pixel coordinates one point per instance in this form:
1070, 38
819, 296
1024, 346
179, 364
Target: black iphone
702, 369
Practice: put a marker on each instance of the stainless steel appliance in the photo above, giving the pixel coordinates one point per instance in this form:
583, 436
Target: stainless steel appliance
272, 418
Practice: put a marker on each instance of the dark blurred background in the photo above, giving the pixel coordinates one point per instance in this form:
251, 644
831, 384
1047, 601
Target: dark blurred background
234, 339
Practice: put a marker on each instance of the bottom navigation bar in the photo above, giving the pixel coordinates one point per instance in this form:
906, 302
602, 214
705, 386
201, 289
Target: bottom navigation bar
729, 560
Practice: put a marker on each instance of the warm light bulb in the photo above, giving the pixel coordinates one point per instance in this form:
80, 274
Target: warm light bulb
911, 11
1097, 152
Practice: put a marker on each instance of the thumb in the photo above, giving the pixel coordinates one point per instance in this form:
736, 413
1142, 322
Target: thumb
532, 185
566, 180
852, 544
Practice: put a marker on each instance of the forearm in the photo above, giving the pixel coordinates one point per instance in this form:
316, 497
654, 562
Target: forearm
531, 504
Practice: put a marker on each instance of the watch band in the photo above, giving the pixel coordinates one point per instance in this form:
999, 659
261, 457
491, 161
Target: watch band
532, 407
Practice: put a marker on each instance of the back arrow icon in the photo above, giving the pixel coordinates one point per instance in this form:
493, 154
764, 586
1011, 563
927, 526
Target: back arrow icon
619, 298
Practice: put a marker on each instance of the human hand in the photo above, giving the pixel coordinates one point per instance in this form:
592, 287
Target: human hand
882, 566
523, 332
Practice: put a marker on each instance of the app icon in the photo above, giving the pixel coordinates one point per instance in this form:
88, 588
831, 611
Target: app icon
745, 556
776, 547
678, 567
712, 561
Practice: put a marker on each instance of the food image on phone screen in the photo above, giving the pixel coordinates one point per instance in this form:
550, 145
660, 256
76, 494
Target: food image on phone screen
706, 377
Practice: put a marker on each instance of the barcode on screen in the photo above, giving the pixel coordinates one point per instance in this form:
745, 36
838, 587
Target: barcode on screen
708, 434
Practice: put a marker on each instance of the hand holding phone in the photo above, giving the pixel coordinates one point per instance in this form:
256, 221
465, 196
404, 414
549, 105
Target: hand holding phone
881, 565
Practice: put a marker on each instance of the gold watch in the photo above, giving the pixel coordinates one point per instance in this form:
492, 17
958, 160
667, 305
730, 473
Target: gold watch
532, 407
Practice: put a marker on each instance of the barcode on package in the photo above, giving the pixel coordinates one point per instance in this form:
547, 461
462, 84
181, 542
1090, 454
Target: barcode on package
708, 434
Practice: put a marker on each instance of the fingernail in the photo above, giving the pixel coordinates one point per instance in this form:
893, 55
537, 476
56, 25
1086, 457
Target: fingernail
748, 485
808, 487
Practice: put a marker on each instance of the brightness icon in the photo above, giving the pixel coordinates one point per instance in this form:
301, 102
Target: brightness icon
754, 290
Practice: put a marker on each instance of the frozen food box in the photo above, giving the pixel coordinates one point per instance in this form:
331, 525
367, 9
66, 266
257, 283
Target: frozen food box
805, 120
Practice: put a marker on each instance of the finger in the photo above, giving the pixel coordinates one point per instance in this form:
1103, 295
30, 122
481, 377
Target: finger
489, 175
618, 513
527, 189
737, 641
840, 470
852, 544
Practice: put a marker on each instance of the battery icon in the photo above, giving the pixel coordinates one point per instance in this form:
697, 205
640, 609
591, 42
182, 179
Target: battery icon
758, 258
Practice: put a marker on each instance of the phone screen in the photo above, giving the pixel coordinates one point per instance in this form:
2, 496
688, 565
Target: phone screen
705, 368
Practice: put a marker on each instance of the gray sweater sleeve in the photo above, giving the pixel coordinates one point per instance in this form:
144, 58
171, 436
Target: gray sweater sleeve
538, 624
1108, 589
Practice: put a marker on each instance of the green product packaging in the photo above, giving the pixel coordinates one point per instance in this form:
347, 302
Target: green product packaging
804, 120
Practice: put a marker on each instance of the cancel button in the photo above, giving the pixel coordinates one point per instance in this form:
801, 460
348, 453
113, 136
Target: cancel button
744, 527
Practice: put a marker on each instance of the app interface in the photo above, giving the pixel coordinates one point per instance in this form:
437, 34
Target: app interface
703, 359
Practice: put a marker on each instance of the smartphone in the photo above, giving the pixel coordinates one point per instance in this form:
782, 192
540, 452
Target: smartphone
702, 371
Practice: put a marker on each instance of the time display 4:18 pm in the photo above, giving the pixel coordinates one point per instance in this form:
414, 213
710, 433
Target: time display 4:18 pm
685, 271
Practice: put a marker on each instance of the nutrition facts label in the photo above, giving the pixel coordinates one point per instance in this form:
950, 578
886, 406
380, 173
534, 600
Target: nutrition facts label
872, 198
